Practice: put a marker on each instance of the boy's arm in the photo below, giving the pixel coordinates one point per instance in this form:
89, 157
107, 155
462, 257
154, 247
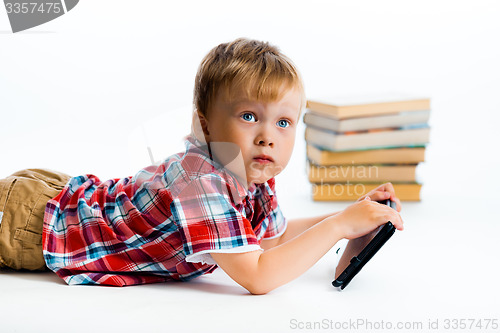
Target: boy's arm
294, 228
259, 272
297, 226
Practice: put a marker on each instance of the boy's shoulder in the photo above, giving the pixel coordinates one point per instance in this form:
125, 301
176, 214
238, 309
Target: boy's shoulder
194, 172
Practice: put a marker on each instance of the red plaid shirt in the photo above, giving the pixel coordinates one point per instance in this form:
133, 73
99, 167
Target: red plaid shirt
159, 225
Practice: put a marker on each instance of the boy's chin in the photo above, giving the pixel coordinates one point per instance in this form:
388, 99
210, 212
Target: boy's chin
261, 180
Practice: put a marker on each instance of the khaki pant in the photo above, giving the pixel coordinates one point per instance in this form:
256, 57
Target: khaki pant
23, 196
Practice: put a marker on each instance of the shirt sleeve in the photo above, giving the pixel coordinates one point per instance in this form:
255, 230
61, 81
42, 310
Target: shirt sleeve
275, 223
209, 221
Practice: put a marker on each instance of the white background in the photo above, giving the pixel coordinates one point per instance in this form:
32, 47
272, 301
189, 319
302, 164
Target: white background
74, 92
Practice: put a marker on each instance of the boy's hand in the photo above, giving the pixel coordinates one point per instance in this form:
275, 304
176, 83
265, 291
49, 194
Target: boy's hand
364, 216
383, 192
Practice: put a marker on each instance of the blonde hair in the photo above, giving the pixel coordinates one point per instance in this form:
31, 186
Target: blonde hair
259, 68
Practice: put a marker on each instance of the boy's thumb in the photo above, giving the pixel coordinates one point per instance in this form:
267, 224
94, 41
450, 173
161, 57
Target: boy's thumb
367, 198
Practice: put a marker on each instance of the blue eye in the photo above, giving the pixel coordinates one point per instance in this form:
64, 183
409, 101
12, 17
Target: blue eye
247, 116
283, 123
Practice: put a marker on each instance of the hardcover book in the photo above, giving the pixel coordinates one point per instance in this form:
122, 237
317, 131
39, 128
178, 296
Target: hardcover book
414, 135
406, 155
358, 106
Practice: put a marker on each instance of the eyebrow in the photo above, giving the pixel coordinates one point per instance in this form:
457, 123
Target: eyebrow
239, 101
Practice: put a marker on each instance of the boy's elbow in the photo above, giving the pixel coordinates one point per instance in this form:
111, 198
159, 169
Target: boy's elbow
246, 270
258, 286
255, 289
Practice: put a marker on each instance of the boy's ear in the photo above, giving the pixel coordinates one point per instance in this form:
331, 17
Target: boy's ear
200, 126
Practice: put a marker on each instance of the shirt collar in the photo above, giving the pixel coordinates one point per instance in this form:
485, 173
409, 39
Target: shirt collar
237, 190
264, 189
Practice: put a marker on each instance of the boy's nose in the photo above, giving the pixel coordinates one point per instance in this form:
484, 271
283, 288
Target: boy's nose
264, 141
265, 136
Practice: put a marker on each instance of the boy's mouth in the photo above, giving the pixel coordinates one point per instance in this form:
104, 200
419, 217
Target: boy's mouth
263, 158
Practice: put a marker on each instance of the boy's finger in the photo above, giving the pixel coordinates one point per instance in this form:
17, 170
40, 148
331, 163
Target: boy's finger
380, 195
397, 201
394, 217
399, 221
389, 188
398, 204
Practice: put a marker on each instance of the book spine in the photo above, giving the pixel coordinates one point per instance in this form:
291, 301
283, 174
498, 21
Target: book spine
351, 192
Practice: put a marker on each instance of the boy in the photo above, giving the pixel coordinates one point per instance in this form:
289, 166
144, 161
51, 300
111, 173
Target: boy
213, 205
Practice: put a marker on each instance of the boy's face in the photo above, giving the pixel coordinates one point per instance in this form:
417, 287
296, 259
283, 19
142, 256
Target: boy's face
264, 132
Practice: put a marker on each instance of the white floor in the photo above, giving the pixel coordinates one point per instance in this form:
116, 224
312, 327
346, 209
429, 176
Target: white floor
443, 266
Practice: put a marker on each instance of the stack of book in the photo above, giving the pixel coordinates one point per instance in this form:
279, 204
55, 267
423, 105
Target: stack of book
353, 146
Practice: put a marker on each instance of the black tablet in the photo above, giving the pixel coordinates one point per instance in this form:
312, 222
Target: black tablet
357, 262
